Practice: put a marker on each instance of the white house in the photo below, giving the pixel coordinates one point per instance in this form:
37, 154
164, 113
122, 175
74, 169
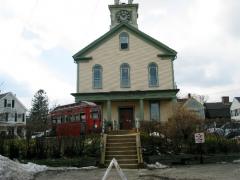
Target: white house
235, 109
12, 115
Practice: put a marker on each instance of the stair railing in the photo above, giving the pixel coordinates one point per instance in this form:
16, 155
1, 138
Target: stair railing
139, 149
103, 148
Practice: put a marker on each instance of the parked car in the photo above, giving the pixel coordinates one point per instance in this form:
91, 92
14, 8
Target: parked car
216, 131
37, 134
231, 129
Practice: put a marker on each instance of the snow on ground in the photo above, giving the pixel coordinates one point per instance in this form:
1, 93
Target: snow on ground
11, 170
157, 165
71, 168
236, 161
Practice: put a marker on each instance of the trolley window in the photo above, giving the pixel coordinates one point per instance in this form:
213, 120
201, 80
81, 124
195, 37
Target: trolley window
62, 119
77, 118
82, 117
94, 115
67, 118
54, 120
59, 120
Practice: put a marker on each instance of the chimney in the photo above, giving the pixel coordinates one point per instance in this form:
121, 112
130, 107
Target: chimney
116, 2
130, 1
225, 99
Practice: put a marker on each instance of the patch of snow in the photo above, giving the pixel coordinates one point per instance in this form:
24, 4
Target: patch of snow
88, 168
157, 165
10, 169
14, 170
236, 161
71, 168
34, 168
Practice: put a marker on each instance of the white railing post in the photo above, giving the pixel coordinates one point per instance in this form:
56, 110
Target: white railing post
103, 126
137, 124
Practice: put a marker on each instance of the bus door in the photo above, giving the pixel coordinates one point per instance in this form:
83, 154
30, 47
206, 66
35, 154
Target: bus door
83, 122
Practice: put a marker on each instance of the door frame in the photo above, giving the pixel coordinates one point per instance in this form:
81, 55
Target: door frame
133, 114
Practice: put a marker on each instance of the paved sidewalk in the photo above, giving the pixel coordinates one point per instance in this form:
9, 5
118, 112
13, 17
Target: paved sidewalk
227, 171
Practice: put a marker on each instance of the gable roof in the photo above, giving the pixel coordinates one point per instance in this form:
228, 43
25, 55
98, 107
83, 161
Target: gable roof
81, 54
3, 95
185, 101
217, 105
217, 110
182, 101
237, 98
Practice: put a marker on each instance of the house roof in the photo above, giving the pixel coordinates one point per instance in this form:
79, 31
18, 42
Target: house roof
182, 101
237, 98
217, 110
3, 95
217, 105
168, 52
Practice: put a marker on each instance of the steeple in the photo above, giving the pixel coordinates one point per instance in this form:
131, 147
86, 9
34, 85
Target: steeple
123, 12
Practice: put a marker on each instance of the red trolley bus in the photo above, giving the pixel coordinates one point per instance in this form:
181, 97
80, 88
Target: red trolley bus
76, 119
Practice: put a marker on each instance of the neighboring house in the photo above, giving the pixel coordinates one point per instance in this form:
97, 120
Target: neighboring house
12, 115
193, 105
235, 109
218, 110
127, 72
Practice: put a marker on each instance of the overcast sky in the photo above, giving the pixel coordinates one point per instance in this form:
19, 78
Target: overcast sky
39, 37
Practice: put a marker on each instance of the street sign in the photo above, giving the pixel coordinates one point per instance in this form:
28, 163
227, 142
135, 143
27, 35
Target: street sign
199, 138
119, 170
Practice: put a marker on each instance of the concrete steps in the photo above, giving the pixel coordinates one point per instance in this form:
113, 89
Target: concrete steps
121, 145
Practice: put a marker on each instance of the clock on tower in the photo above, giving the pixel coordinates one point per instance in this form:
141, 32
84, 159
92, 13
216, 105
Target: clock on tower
123, 16
124, 12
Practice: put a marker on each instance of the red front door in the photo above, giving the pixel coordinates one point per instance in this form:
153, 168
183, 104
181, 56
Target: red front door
126, 118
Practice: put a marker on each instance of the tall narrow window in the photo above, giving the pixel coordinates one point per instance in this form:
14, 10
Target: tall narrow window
154, 111
97, 76
5, 102
23, 117
153, 75
16, 117
13, 103
124, 41
125, 75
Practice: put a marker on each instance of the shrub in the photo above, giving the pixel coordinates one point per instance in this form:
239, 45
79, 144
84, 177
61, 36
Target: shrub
2, 143
153, 138
181, 128
92, 145
217, 144
13, 150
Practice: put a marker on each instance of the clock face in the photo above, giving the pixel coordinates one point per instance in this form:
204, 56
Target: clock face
123, 16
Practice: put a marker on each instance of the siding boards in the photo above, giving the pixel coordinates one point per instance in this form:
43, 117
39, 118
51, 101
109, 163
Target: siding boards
139, 55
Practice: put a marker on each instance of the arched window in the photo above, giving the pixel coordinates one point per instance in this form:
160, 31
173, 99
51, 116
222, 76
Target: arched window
125, 75
153, 75
124, 40
97, 76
